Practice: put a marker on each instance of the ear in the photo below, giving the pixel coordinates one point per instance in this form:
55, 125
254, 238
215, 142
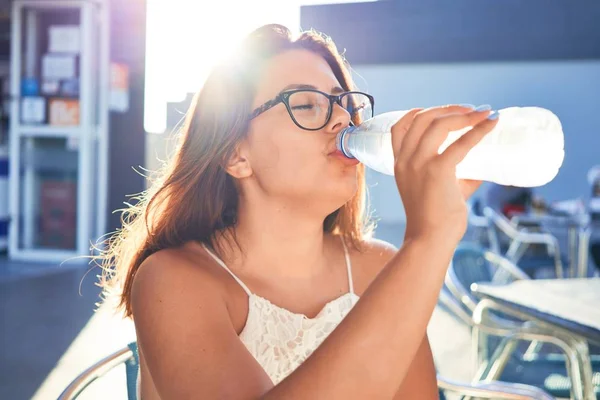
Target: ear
238, 165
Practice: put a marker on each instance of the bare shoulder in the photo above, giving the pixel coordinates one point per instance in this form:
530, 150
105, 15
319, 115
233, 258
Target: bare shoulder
378, 248
370, 260
177, 264
179, 273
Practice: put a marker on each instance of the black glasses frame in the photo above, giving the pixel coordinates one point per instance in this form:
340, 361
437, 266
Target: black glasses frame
284, 97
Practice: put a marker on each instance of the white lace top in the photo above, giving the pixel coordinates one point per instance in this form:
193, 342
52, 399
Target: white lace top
280, 340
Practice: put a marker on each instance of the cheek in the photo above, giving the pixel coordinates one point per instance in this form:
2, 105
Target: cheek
285, 153
290, 164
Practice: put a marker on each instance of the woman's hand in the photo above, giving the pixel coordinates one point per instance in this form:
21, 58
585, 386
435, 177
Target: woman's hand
434, 199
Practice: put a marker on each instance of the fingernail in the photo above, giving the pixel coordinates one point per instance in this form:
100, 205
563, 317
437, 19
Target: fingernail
471, 106
493, 115
484, 107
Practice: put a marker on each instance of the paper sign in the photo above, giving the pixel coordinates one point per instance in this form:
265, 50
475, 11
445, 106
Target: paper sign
64, 39
50, 86
119, 87
58, 66
64, 112
33, 110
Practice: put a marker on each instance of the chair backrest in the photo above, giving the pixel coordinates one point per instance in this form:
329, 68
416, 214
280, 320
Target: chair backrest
132, 366
472, 264
499, 223
468, 266
128, 356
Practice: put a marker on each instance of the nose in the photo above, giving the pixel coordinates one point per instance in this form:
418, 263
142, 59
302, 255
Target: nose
340, 118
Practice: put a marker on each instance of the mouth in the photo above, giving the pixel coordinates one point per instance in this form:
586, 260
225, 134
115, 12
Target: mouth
338, 155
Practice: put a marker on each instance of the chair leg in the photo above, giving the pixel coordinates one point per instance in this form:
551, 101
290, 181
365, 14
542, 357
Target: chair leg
516, 250
582, 254
577, 362
586, 372
492, 370
576, 369
532, 350
497, 362
479, 345
559, 270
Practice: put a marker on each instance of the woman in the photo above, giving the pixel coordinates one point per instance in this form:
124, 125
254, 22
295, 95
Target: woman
244, 269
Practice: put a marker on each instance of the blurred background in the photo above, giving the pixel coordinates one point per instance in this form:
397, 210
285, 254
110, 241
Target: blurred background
92, 90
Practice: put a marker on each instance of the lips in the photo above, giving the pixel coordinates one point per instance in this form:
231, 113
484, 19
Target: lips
334, 151
340, 156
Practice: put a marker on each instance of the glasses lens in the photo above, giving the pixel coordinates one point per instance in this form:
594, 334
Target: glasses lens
358, 106
309, 109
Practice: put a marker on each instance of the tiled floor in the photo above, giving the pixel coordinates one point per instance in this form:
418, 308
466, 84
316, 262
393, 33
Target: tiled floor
43, 308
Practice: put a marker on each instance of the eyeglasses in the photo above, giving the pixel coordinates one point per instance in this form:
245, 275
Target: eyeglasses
311, 109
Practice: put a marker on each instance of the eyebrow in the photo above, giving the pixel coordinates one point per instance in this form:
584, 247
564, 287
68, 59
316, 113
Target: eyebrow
334, 90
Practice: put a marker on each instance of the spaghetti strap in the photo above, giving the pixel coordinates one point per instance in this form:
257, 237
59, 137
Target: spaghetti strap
222, 264
348, 266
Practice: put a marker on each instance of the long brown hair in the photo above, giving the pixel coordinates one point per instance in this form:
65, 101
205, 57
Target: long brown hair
193, 198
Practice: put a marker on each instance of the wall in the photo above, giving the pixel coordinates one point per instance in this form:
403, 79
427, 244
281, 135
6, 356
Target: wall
433, 31
127, 136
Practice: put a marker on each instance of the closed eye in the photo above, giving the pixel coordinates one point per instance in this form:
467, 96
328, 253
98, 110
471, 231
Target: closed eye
303, 107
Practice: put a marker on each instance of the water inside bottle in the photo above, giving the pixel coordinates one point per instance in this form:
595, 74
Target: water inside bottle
375, 150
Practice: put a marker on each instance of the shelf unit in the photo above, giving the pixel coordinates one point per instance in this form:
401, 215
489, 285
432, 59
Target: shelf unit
58, 170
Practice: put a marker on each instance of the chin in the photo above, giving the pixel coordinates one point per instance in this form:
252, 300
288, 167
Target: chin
339, 193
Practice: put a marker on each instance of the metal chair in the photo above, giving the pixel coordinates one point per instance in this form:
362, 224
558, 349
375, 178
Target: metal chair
472, 264
129, 356
520, 240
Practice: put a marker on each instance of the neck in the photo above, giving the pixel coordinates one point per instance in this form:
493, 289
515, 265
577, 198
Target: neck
280, 240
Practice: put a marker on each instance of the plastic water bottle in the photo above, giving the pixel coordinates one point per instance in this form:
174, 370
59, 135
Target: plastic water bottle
525, 148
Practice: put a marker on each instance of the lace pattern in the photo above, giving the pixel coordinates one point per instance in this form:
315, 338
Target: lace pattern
281, 340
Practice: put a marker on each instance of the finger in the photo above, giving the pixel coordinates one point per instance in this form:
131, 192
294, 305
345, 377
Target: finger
420, 123
457, 151
438, 131
400, 128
